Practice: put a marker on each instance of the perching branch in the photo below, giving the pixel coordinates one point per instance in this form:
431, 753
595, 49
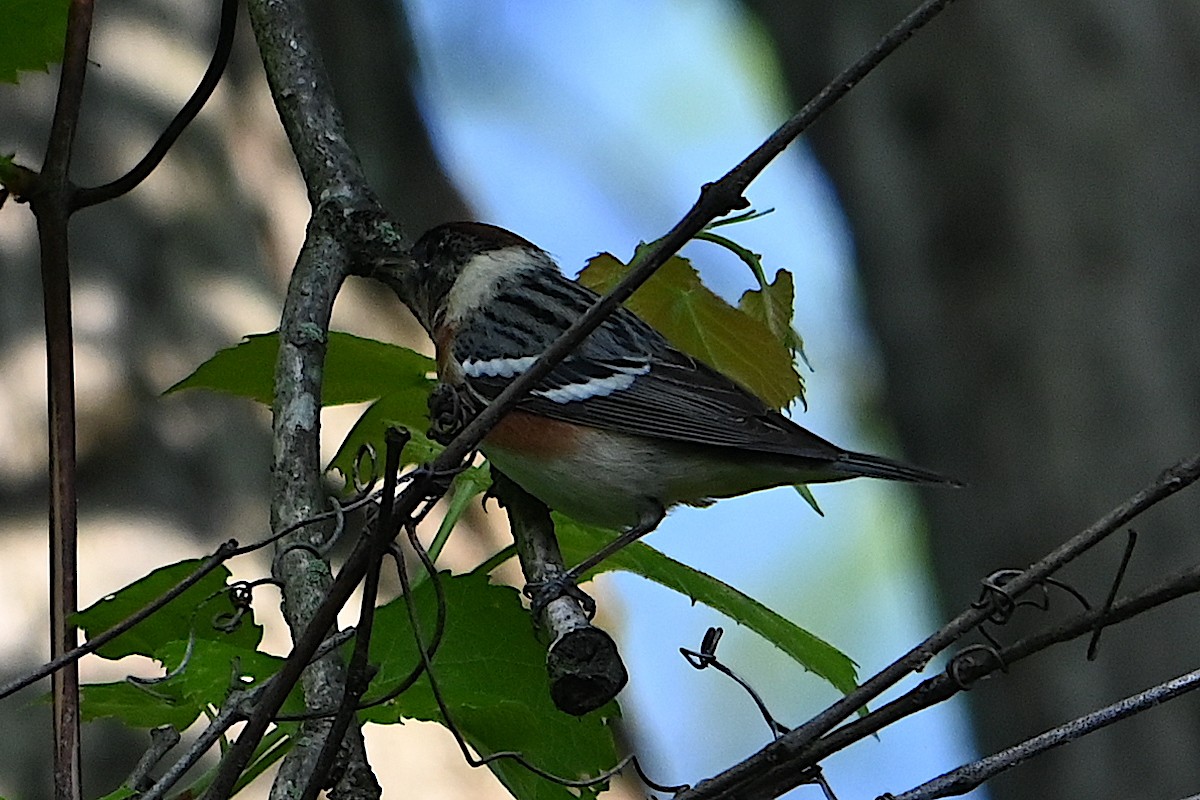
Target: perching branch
584, 666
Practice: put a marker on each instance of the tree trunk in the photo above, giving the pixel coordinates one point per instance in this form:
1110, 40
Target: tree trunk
1022, 182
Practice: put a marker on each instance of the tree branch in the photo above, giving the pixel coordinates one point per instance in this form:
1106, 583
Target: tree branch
783, 764
297, 494
970, 776
346, 220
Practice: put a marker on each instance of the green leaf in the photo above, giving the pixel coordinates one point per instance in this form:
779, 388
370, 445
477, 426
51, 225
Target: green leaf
809, 651
194, 610
121, 793
218, 661
356, 370
136, 706
406, 407
491, 671
211, 671
32, 35
700, 323
214, 667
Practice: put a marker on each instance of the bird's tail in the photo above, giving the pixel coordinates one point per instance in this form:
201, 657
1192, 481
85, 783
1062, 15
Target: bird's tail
862, 464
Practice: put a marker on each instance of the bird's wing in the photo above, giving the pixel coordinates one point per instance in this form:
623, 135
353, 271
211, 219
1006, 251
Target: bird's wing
625, 377
661, 394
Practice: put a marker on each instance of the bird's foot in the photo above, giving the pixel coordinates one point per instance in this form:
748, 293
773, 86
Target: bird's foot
543, 593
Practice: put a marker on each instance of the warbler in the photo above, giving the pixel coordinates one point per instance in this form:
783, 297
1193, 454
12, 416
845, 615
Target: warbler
626, 426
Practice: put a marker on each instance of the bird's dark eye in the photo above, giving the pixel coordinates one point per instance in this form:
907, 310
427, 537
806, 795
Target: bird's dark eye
427, 247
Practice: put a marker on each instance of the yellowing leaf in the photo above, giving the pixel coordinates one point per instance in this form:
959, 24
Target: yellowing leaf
700, 323
772, 305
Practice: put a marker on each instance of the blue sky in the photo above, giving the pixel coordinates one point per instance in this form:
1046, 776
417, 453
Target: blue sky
588, 127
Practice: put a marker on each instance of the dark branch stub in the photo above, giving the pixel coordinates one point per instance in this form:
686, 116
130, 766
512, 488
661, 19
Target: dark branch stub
582, 661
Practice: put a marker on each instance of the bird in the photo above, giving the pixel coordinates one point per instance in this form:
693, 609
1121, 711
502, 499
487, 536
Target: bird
625, 427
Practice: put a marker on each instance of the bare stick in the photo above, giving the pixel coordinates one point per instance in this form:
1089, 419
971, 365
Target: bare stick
232, 711
783, 763
162, 739
85, 197
970, 776
361, 671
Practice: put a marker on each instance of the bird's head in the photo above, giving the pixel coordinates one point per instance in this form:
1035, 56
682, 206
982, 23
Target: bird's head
454, 269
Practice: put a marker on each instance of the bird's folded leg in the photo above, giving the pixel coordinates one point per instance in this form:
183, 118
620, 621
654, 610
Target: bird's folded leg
651, 517
563, 584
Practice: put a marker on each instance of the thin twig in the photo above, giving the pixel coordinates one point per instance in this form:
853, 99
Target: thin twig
96, 642
324, 616
232, 711
229, 549
1102, 620
162, 739
51, 205
84, 197
970, 776
785, 760
941, 687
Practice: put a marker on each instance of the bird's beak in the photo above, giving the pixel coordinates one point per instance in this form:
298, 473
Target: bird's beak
404, 276
399, 272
